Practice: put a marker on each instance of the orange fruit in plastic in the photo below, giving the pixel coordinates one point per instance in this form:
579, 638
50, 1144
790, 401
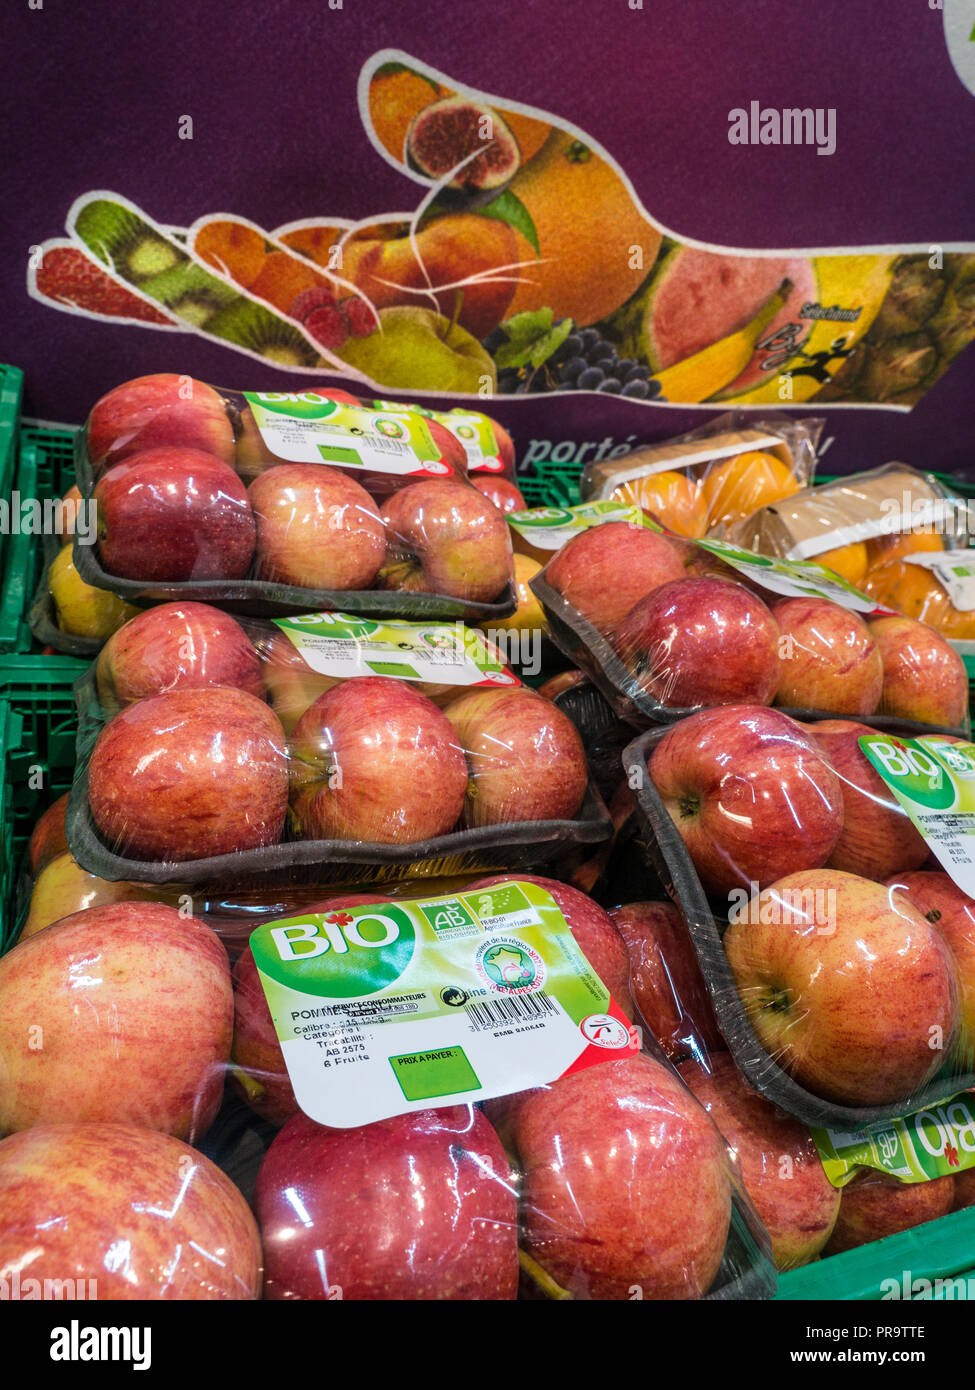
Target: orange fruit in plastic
884, 548
740, 485
675, 500
848, 561
917, 593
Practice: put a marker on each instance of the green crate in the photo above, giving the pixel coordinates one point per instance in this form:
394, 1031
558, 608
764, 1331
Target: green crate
551, 484
38, 724
45, 470
943, 1249
11, 399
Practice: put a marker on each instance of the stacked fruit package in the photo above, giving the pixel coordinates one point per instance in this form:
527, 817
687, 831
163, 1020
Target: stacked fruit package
705, 481
899, 535
330, 745
477, 1117
665, 626
287, 500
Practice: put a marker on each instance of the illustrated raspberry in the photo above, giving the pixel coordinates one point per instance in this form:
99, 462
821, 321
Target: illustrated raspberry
328, 326
362, 319
304, 304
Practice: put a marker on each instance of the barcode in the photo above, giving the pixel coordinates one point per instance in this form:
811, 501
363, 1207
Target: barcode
391, 446
518, 1008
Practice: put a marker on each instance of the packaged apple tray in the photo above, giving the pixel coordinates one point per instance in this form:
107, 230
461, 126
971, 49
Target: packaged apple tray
829, 895
385, 748
681, 627
275, 502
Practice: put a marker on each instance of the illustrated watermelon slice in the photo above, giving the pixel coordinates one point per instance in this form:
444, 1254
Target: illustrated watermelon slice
699, 297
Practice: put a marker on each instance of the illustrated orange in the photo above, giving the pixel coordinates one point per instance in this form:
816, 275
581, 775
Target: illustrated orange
738, 486
675, 500
850, 562
395, 97
315, 242
595, 245
884, 548
282, 279
233, 248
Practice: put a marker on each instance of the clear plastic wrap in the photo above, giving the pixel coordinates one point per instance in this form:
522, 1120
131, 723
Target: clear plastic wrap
420, 1205
856, 525
841, 987
383, 744
932, 585
706, 480
277, 499
664, 626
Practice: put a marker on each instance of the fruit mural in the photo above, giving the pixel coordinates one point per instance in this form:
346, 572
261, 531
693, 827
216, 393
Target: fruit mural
528, 266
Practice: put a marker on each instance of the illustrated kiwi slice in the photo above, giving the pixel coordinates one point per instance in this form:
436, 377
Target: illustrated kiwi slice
190, 293
123, 240
111, 229
255, 328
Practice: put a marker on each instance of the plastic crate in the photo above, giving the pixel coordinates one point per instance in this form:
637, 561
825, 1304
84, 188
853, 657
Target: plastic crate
939, 1250
551, 484
45, 470
11, 398
38, 724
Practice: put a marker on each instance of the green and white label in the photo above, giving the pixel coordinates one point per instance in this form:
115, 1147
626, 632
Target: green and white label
933, 779
793, 578
549, 528
308, 428
398, 1006
929, 1144
472, 431
343, 645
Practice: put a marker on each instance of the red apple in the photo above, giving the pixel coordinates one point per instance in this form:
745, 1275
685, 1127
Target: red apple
121, 1013
626, 1183
176, 646
592, 927
878, 837
374, 760
780, 1165
501, 491
418, 1207
606, 569
952, 913
316, 528
526, 758
446, 538
150, 411
119, 1213
750, 794
190, 774
665, 978
846, 984
829, 660
924, 677
48, 838
174, 514
262, 1076
874, 1205
964, 1189
701, 642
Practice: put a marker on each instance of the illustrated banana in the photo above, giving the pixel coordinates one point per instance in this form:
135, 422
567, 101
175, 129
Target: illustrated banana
702, 374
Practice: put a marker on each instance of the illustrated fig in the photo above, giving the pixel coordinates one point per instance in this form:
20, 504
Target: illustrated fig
467, 141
